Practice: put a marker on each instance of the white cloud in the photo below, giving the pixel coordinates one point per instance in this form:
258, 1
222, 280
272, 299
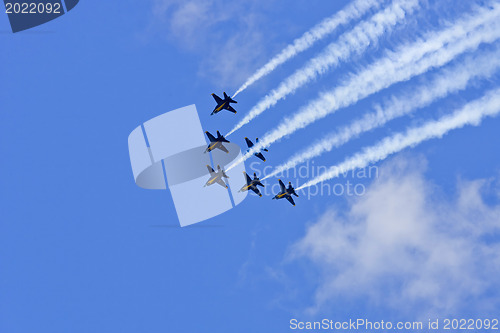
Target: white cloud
188, 19
408, 248
201, 27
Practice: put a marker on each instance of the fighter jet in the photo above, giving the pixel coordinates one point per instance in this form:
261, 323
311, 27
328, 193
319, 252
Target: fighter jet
216, 142
216, 177
223, 104
286, 192
258, 154
252, 184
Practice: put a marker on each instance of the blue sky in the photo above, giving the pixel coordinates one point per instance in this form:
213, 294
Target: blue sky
82, 248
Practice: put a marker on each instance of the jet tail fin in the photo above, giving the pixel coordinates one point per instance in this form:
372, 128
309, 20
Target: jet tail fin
220, 137
223, 172
230, 100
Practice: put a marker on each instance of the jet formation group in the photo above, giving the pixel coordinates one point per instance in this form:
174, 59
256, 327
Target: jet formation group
217, 142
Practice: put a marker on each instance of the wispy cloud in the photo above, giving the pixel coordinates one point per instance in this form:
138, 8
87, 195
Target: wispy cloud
185, 19
447, 81
353, 11
433, 51
407, 250
471, 114
200, 27
354, 41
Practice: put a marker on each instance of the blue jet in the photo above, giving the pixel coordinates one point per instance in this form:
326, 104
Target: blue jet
252, 184
216, 142
286, 192
216, 177
258, 154
223, 104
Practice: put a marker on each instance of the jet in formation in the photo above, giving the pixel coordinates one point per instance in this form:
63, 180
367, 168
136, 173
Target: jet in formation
223, 104
252, 184
258, 154
216, 142
216, 177
286, 192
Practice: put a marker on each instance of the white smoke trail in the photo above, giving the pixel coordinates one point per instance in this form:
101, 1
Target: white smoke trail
448, 81
355, 41
436, 50
471, 114
353, 11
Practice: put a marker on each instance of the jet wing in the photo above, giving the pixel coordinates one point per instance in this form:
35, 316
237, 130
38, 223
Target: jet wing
259, 155
249, 143
256, 190
221, 182
249, 180
221, 147
210, 170
290, 200
210, 136
230, 108
218, 100
282, 186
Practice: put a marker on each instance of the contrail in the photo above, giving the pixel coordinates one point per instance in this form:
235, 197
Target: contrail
447, 82
436, 50
356, 41
353, 11
471, 114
